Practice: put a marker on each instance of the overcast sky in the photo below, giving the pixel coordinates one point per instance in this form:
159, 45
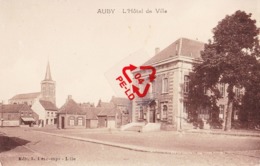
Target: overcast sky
83, 45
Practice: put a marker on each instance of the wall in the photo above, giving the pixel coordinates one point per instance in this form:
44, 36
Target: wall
38, 109
10, 119
111, 123
68, 118
93, 123
50, 117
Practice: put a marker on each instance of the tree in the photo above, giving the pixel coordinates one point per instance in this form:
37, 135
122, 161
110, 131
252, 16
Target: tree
251, 100
228, 59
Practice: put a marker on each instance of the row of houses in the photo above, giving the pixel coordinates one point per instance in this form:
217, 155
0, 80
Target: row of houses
165, 105
42, 113
106, 115
39, 109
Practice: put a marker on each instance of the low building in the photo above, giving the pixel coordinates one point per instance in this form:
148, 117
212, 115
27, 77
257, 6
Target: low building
109, 117
91, 117
70, 115
125, 107
17, 114
47, 112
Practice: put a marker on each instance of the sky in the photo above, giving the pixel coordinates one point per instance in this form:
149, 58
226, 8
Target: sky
84, 47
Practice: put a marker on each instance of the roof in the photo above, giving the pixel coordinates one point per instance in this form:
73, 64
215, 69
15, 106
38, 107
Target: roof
181, 47
120, 101
26, 96
86, 105
14, 108
105, 104
71, 107
108, 112
91, 112
47, 105
48, 73
28, 119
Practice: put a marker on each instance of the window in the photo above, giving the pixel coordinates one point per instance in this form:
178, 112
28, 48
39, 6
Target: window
185, 110
186, 84
71, 121
9, 116
165, 85
205, 90
141, 113
222, 89
238, 92
21, 113
164, 112
30, 114
236, 114
221, 111
48, 113
80, 121
51, 113
151, 87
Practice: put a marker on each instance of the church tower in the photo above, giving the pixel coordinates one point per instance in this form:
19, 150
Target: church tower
48, 87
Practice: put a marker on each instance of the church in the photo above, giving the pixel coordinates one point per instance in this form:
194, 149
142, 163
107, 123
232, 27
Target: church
43, 103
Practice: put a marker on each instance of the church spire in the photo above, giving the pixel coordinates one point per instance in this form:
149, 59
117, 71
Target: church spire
48, 72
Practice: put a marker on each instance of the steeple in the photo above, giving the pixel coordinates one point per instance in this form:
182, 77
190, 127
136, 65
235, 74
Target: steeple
48, 87
48, 72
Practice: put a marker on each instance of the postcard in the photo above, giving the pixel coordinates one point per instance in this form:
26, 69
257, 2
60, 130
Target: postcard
129, 82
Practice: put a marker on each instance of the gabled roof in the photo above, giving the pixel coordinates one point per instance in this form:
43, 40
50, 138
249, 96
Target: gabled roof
26, 96
71, 107
14, 108
120, 101
181, 47
47, 105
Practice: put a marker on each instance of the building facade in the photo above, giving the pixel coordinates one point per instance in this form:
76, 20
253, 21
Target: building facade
17, 114
124, 105
166, 101
47, 112
70, 115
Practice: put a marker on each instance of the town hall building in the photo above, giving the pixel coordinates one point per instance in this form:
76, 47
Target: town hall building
165, 105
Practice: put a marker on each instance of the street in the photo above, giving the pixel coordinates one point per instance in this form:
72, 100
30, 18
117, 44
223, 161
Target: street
20, 146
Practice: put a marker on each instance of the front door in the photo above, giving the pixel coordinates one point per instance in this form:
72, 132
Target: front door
62, 122
87, 123
152, 113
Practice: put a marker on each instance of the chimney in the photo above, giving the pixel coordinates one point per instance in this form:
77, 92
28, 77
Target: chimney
69, 97
157, 50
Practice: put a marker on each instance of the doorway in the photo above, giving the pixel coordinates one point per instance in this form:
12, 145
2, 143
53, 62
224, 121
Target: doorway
62, 122
87, 123
152, 112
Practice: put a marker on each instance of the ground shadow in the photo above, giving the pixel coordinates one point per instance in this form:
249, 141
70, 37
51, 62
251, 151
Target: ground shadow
9, 143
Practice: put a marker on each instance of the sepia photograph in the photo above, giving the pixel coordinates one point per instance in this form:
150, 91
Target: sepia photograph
128, 82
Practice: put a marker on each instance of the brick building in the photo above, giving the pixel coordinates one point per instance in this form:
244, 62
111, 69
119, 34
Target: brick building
165, 105
17, 114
